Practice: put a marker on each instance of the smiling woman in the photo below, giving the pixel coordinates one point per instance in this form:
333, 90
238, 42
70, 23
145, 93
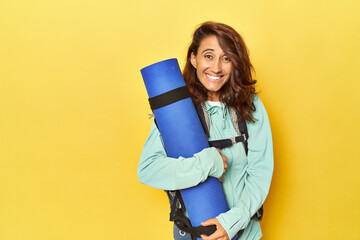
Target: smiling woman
217, 50
218, 74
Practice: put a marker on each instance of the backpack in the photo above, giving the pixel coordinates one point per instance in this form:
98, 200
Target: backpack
177, 206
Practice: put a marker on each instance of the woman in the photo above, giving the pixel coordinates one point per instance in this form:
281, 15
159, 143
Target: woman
218, 74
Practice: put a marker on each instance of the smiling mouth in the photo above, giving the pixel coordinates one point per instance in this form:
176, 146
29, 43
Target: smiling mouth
213, 77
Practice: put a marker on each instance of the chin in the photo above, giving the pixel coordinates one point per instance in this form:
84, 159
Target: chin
213, 89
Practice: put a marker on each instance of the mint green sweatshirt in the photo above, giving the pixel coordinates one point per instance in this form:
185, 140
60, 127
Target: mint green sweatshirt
247, 178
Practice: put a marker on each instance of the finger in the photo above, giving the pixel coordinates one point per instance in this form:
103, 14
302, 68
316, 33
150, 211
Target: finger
225, 165
204, 237
221, 179
219, 233
216, 235
219, 150
224, 159
211, 221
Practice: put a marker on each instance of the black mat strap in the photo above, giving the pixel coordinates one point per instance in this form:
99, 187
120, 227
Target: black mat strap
183, 223
169, 97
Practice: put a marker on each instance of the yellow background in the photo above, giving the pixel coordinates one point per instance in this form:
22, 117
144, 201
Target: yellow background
73, 113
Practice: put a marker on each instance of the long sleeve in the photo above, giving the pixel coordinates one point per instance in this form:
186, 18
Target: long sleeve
257, 174
157, 170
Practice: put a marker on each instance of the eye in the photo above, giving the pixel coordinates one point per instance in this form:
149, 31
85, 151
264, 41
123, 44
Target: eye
226, 59
208, 56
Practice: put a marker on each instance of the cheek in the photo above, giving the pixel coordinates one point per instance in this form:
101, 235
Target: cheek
229, 69
228, 78
200, 69
229, 72
202, 65
198, 74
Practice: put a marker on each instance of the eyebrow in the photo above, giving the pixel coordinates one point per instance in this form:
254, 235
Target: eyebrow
208, 49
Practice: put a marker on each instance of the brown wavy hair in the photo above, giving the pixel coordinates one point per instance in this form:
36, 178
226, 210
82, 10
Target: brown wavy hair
239, 90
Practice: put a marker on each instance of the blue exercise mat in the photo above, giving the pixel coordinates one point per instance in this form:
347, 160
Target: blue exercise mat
183, 135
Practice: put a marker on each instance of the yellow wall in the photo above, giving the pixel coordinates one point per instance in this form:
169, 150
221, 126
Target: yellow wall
73, 113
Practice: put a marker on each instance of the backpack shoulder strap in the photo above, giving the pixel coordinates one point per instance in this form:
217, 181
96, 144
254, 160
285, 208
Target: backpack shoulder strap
239, 126
234, 119
243, 129
204, 118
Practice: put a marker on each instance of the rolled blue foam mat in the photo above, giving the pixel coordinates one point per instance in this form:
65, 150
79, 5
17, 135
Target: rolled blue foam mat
183, 135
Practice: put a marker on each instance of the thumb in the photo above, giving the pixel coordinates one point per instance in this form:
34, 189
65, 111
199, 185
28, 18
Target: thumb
211, 221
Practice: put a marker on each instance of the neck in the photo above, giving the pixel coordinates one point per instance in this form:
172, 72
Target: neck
213, 96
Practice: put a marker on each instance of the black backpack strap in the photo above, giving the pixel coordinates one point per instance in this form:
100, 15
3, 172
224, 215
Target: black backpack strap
181, 221
259, 214
239, 126
223, 143
204, 117
244, 132
241, 129
174, 202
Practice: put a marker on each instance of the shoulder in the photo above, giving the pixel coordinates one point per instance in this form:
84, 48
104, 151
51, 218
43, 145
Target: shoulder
257, 102
260, 112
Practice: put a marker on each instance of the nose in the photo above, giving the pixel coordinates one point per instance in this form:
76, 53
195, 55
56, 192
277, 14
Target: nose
217, 66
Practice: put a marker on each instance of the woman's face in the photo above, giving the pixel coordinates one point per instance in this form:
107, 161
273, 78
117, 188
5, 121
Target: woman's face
213, 67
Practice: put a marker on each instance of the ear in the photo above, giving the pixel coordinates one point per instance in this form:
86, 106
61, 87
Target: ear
193, 60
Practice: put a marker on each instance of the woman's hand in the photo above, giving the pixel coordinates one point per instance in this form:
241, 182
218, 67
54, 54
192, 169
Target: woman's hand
219, 234
225, 164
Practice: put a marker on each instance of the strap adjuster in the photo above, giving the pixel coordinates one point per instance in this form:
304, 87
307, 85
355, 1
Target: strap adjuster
244, 136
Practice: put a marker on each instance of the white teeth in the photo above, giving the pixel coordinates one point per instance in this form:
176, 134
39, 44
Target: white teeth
212, 77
